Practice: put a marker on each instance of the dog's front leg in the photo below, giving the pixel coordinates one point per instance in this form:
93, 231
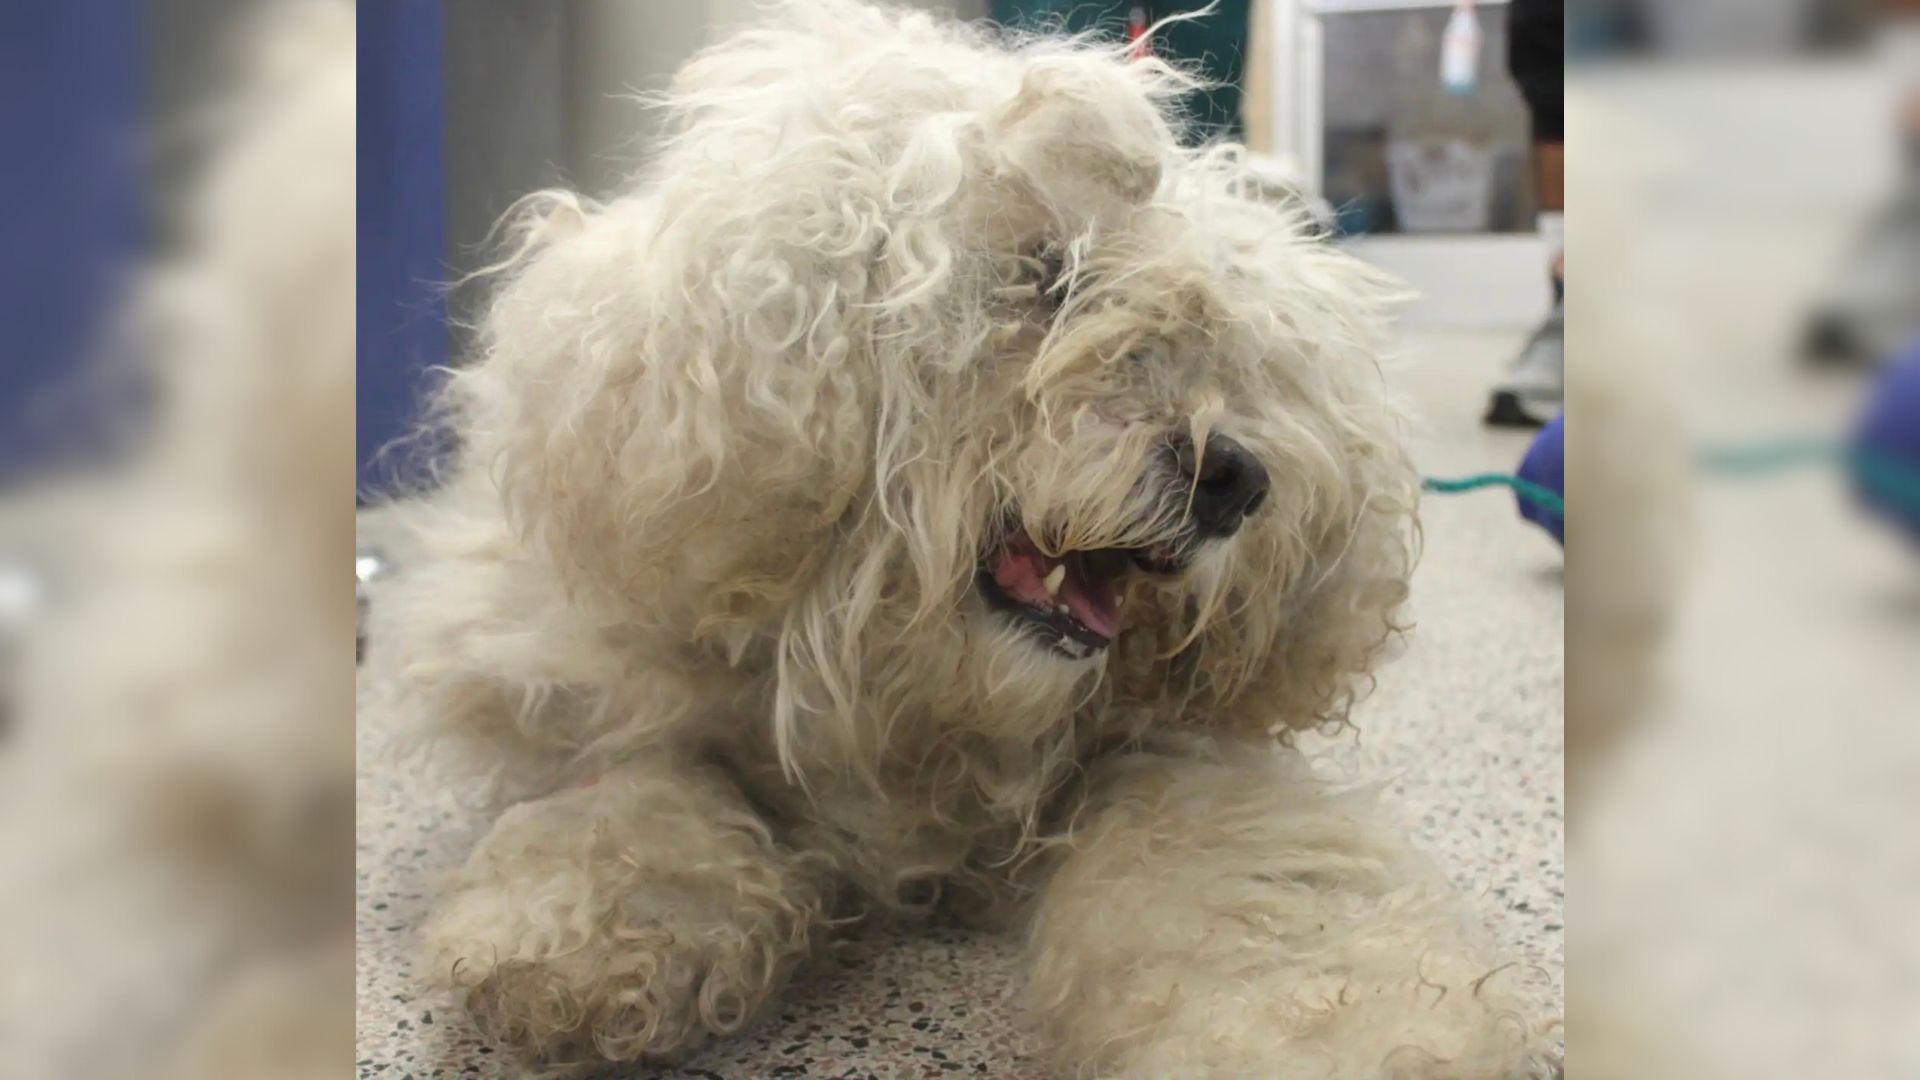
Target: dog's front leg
629, 919
1225, 918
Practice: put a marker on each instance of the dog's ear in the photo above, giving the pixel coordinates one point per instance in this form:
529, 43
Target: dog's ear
669, 410
1085, 135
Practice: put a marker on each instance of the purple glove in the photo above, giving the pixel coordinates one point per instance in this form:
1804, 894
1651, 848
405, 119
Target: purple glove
1888, 438
1545, 464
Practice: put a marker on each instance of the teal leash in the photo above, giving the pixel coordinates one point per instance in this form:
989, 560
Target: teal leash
1527, 489
1762, 458
1889, 477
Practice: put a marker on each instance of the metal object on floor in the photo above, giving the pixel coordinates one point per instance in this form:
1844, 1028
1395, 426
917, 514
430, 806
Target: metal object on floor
23, 596
369, 565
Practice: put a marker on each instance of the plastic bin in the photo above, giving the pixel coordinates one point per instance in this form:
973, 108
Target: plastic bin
1441, 185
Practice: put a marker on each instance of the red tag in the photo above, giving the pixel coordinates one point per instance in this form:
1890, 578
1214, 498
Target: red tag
1137, 32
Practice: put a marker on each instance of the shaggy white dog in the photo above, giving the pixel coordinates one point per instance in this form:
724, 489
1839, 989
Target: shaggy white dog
929, 485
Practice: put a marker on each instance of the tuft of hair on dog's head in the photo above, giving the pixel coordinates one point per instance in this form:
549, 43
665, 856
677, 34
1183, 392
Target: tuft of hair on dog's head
905, 375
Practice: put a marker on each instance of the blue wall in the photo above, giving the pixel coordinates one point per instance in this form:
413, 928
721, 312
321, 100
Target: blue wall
71, 212
402, 224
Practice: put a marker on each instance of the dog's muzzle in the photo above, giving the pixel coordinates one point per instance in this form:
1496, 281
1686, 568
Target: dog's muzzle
1227, 482
1072, 602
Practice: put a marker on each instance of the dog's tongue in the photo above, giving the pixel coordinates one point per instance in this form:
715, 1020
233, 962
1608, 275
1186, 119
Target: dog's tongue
1022, 574
1091, 600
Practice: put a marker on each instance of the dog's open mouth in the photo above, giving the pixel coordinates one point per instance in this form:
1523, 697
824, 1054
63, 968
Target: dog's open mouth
1071, 603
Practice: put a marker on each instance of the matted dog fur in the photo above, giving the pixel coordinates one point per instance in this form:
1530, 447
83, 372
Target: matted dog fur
932, 485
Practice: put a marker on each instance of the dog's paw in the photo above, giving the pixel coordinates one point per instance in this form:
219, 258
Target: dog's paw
576, 934
1462, 1031
644, 993
1515, 1063
1344, 1032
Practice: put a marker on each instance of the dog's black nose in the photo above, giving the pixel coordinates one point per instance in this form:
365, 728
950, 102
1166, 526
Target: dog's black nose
1228, 483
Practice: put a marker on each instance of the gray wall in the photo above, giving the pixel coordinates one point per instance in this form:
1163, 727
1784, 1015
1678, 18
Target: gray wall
620, 47
540, 94
190, 58
507, 121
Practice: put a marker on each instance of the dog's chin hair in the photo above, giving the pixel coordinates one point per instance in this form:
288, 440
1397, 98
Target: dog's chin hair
1022, 662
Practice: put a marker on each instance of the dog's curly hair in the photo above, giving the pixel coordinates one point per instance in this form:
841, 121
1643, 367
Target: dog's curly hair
747, 453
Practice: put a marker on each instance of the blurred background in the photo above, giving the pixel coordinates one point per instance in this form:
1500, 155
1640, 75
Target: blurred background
1743, 606
176, 658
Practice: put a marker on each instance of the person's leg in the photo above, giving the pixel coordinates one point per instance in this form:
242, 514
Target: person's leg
1531, 393
1549, 185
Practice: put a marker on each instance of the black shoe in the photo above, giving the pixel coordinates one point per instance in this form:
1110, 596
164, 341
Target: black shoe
1534, 389
1872, 307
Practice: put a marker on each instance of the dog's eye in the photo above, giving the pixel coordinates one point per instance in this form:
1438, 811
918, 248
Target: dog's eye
1038, 279
1151, 354
1052, 266
1035, 279
1046, 265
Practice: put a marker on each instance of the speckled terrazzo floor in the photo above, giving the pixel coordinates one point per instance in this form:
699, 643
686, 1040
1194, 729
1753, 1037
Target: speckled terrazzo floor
1466, 725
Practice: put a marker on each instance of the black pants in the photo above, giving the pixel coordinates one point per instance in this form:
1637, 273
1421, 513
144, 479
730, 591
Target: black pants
1537, 56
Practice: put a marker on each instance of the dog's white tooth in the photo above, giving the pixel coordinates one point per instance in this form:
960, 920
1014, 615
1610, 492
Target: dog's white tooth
1119, 601
1054, 578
